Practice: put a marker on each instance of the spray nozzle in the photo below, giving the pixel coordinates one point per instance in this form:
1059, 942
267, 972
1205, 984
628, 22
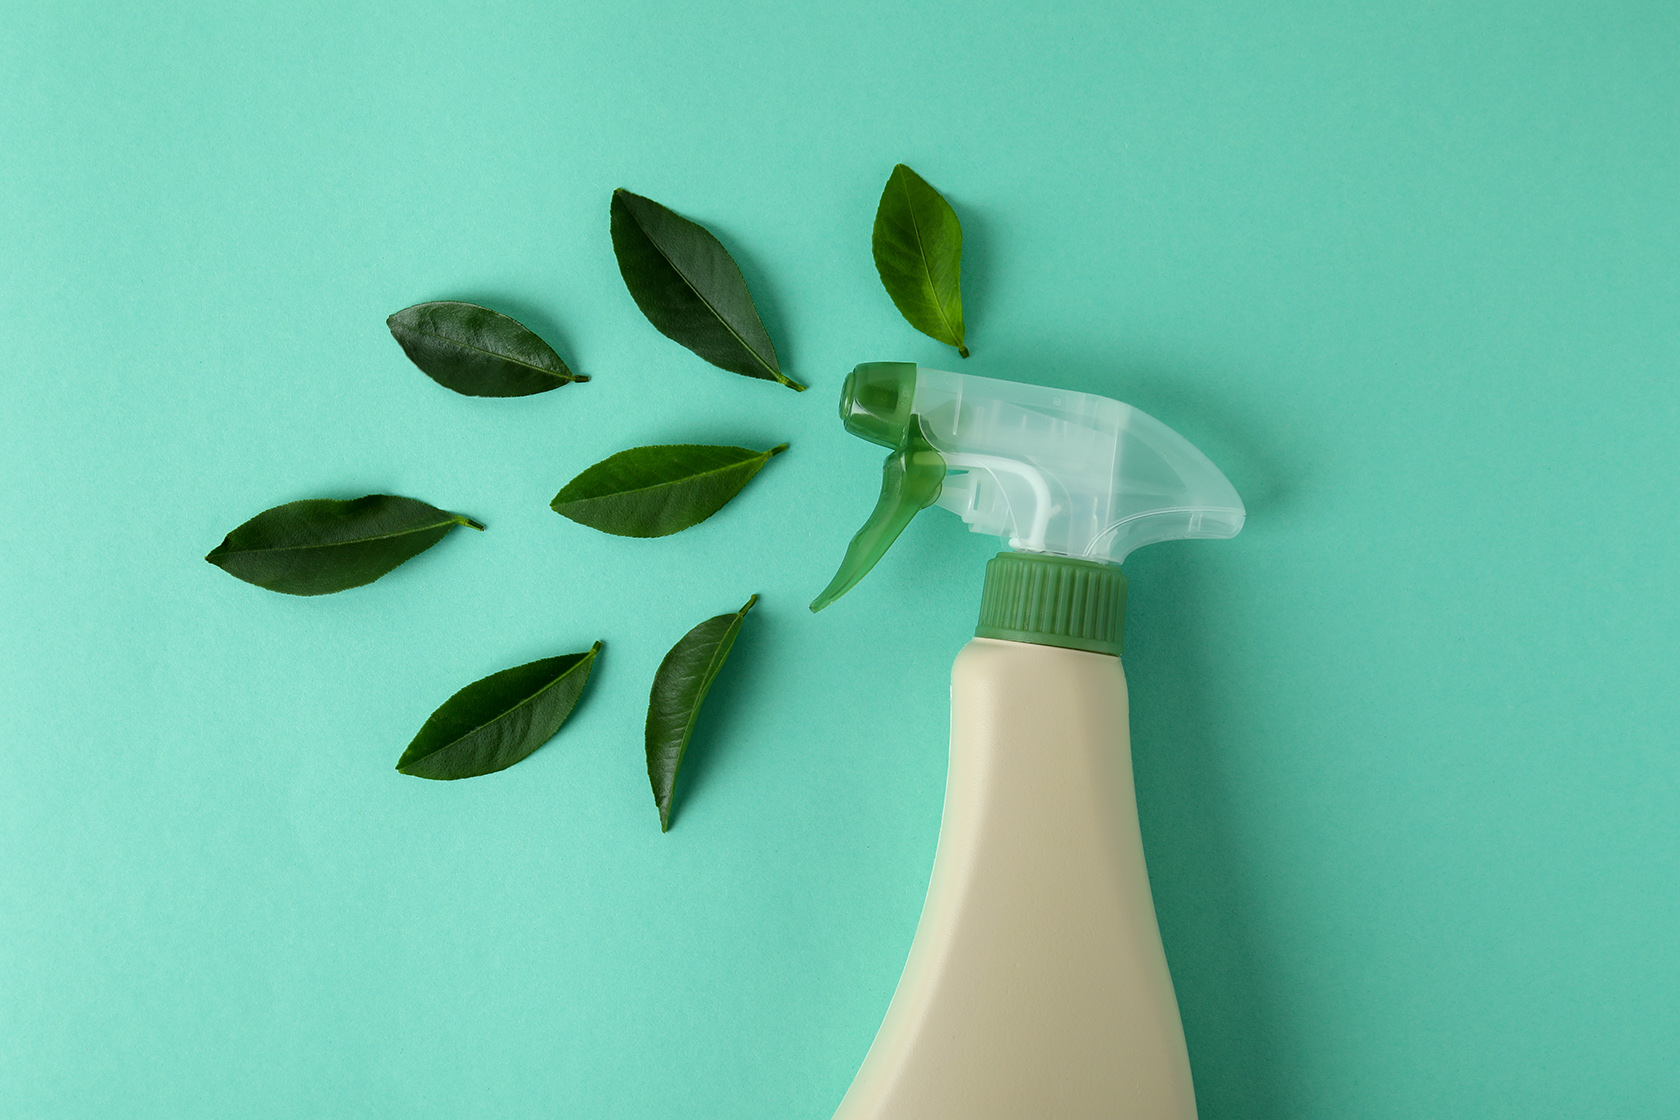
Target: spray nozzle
1054, 472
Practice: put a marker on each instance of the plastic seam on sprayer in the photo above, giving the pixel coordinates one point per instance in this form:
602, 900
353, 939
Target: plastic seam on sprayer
1053, 601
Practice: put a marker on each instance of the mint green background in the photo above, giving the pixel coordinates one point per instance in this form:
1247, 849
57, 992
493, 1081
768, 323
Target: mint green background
1407, 749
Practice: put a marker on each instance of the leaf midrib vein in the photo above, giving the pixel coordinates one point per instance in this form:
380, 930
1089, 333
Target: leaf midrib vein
765, 455
509, 711
775, 373
922, 255
712, 666
567, 376
340, 544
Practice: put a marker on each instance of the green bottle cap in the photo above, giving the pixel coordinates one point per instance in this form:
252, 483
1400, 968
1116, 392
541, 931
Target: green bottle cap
1053, 601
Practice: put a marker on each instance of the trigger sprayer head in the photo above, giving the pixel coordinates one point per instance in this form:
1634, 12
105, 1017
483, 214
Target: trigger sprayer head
1063, 474
877, 401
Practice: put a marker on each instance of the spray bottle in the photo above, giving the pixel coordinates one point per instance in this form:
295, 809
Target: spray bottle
1036, 985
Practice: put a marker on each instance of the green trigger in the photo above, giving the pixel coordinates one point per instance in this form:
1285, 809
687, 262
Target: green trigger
911, 480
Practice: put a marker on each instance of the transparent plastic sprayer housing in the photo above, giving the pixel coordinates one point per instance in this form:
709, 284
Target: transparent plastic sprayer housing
1050, 471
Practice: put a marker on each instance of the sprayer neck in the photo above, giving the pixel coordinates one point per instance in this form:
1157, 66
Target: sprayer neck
1053, 601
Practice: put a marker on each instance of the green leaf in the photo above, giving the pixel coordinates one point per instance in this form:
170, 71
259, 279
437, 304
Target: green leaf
320, 545
679, 688
477, 351
495, 722
918, 252
689, 287
656, 491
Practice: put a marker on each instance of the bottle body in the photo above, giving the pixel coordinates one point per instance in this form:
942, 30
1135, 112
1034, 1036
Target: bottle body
1036, 984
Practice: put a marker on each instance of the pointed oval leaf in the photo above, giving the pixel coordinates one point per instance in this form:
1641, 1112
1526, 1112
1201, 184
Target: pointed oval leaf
495, 722
918, 252
478, 352
679, 688
321, 545
656, 491
690, 288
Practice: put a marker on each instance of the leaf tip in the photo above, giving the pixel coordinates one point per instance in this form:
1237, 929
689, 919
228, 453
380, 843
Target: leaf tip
429, 777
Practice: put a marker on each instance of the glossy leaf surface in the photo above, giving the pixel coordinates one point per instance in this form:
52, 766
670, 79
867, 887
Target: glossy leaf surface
656, 491
679, 689
477, 351
690, 288
918, 252
495, 722
321, 545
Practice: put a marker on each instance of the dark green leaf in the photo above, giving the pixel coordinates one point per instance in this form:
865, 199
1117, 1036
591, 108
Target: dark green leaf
679, 688
493, 723
477, 351
321, 545
655, 491
688, 286
918, 252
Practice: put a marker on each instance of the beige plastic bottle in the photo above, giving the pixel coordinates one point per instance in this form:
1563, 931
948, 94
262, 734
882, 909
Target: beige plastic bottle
1036, 988
1036, 985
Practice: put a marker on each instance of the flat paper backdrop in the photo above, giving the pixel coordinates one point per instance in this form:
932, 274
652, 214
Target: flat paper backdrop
1406, 749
